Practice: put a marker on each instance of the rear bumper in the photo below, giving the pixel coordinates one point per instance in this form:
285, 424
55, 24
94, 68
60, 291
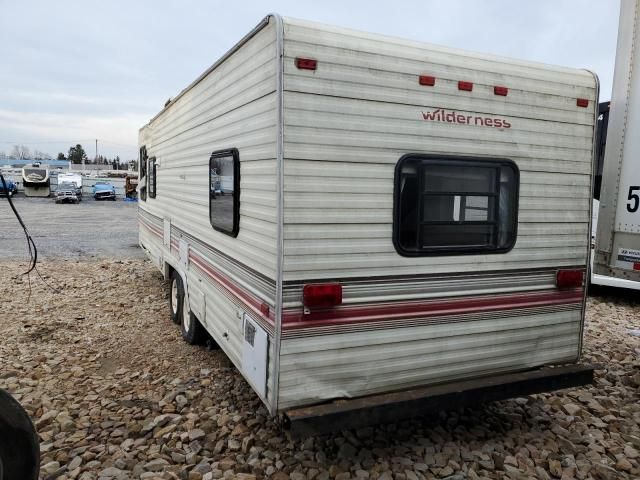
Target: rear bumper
391, 407
607, 281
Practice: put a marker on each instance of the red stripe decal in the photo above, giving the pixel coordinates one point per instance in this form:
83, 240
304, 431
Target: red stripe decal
152, 228
295, 318
253, 303
374, 313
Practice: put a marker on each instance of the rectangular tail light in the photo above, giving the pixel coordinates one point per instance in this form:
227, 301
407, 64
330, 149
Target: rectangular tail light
427, 80
569, 278
322, 295
582, 102
465, 86
502, 91
306, 63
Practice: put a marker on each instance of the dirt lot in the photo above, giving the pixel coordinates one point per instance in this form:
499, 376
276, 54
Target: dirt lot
116, 393
89, 229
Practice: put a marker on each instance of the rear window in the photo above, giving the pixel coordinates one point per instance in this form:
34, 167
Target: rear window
455, 205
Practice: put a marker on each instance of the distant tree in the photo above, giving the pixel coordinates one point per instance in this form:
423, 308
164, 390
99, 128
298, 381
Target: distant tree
3, 156
61, 156
38, 155
77, 154
20, 152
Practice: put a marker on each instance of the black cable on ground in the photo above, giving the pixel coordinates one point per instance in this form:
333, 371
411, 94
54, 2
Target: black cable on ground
33, 250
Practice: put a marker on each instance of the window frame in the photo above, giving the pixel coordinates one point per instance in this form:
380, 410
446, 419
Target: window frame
143, 174
462, 161
233, 152
152, 178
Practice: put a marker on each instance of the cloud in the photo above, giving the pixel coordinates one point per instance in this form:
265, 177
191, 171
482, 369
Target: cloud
56, 132
76, 69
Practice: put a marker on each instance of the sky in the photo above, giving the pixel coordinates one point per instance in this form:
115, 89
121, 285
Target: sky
75, 71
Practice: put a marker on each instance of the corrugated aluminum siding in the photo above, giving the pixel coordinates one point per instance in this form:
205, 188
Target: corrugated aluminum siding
362, 108
231, 106
317, 368
346, 126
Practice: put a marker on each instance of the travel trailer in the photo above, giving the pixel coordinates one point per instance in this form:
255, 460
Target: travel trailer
372, 227
36, 181
616, 260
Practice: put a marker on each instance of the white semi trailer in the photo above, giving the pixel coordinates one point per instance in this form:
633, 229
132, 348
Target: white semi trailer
617, 250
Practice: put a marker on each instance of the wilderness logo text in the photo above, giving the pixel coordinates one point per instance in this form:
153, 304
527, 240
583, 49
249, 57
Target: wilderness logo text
450, 116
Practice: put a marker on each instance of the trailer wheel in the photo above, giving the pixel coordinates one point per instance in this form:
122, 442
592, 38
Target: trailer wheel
176, 297
19, 446
192, 330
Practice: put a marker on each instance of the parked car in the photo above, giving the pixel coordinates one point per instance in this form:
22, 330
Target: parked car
104, 191
12, 187
68, 192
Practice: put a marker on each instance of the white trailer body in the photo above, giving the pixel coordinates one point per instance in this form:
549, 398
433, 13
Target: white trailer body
400, 215
617, 255
35, 180
74, 178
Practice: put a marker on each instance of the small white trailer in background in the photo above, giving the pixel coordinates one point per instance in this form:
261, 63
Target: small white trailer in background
35, 180
354, 216
617, 248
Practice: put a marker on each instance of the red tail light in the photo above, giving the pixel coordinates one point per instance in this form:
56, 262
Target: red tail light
466, 86
502, 91
322, 295
582, 102
569, 278
427, 80
306, 63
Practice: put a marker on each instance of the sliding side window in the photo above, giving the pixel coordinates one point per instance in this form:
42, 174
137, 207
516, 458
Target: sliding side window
455, 205
224, 191
152, 177
142, 182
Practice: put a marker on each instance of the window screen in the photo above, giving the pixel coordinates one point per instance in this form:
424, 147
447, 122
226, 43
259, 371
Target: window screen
152, 177
454, 205
142, 183
224, 191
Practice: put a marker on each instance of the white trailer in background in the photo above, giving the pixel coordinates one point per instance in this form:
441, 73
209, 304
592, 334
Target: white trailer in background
74, 178
36, 180
617, 249
349, 214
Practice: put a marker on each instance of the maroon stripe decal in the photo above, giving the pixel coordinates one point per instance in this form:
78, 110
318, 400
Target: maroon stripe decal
295, 319
152, 228
407, 310
250, 301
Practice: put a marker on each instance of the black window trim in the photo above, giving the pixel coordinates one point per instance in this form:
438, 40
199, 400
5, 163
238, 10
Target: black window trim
236, 189
152, 178
143, 174
462, 161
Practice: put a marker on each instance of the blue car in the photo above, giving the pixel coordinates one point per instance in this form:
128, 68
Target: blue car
104, 191
12, 188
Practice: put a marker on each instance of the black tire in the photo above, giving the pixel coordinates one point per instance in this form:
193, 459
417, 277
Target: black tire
176, 282
19, 445
193, 332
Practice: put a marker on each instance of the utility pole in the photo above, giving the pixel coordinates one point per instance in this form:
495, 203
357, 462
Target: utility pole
96, 151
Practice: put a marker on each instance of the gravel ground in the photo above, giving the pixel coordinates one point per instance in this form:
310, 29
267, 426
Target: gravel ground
89, 229
116, 394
